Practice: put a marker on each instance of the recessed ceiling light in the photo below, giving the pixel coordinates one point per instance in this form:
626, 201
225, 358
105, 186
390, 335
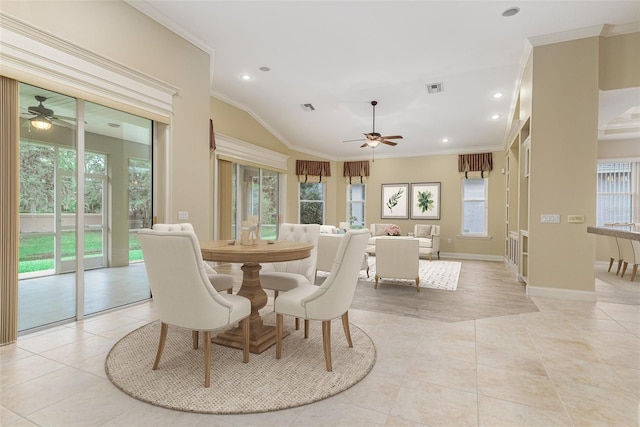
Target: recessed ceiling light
495, 116
497, 95
510, 12
445, 140
265, 69
246, 77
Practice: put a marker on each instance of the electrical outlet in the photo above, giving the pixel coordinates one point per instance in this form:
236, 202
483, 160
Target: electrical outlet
449, 240
550, 218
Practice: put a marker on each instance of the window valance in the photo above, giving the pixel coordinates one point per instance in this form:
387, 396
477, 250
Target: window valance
358, 169
312, 170
478, 162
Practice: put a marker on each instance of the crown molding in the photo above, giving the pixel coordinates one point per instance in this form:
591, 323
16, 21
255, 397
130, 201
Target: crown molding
565, 36
28, 51
617, 30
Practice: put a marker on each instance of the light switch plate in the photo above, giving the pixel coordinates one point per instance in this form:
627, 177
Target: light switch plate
575, 219
550, 218
183, 215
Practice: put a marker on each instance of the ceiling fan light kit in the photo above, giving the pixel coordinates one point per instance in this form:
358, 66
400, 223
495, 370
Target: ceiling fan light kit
40, 123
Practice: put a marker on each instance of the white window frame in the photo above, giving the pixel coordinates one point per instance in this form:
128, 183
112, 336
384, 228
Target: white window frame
634, 191
350, 202
485, 233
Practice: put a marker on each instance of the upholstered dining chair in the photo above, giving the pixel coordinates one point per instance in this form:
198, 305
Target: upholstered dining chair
222, 282
614, 252
398, 258
183, 294
627, 255
284, 276
328, 301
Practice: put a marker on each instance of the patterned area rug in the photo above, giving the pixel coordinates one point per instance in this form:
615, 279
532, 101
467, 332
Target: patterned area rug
264, 384
434, 274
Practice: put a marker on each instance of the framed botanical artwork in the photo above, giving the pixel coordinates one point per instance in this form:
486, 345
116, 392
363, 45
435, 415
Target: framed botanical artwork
395, 201
425, 200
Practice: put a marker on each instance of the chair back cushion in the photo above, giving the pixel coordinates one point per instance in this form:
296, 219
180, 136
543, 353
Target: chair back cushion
308, 233
334, 296
179, 284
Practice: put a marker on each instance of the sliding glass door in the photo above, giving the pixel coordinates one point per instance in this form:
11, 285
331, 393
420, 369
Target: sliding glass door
113, 178
256, 195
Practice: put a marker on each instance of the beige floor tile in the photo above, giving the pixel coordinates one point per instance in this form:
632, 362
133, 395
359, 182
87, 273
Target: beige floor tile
584, 372
523, 358
448, 372
26, 369
11, 352
612, 339
45, 390
394, 421
336, 411
631, 377
598, 325
77, 351
435, 405
618, 356
518, 386
48, 341
451, 348
145, 415
565, 348
593, 406
501, 413
377, 391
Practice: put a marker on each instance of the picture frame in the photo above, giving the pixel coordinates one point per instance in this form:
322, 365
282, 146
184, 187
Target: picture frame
395, 201
425, 200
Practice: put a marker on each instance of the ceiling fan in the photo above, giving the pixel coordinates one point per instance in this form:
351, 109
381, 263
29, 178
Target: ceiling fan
43, 117
373, 138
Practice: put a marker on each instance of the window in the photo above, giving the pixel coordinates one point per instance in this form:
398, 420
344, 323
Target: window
356, 205
617, 193
311, 203
474, 206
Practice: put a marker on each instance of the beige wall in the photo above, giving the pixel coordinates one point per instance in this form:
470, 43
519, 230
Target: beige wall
620, 61
107, 29
563, 162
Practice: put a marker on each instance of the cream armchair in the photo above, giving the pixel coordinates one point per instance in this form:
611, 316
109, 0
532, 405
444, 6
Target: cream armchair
330, 300
428, 236
398, 258
222, 282
183, 295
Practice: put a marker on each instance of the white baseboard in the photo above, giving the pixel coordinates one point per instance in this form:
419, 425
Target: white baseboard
477, 257
539, 291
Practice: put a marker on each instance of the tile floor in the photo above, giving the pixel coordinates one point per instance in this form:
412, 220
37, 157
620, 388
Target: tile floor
568, 364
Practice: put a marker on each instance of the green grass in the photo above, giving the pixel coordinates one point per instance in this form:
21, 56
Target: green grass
36, 249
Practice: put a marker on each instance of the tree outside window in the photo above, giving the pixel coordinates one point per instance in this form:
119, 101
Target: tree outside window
356, 205
474, 206
311, 203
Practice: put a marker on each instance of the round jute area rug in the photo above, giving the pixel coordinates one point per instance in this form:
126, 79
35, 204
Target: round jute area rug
264, 384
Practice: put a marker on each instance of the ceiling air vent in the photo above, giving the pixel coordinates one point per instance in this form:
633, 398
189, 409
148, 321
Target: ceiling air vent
307, 107
434, 87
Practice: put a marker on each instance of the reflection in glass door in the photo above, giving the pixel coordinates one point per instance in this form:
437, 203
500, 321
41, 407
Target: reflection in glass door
50, 182
257, 194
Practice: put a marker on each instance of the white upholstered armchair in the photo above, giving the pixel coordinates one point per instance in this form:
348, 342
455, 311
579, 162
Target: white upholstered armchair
183, 295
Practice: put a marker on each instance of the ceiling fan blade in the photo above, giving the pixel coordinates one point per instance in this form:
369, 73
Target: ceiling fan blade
391, 143
355, 140
364, 145
392, 137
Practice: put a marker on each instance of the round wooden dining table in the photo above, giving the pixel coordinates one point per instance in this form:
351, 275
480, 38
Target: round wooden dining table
261, 336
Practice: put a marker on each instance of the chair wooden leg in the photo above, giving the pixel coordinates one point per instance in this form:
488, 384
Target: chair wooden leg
367, 272
275, 295
279, 321
297, 323
624, 268
230, 290
418, 284
207, 358
610, 265
245, 340
163, 338
326, 343
376, 285
345, 326
306, 328
195, 336
619, 267
634, 272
